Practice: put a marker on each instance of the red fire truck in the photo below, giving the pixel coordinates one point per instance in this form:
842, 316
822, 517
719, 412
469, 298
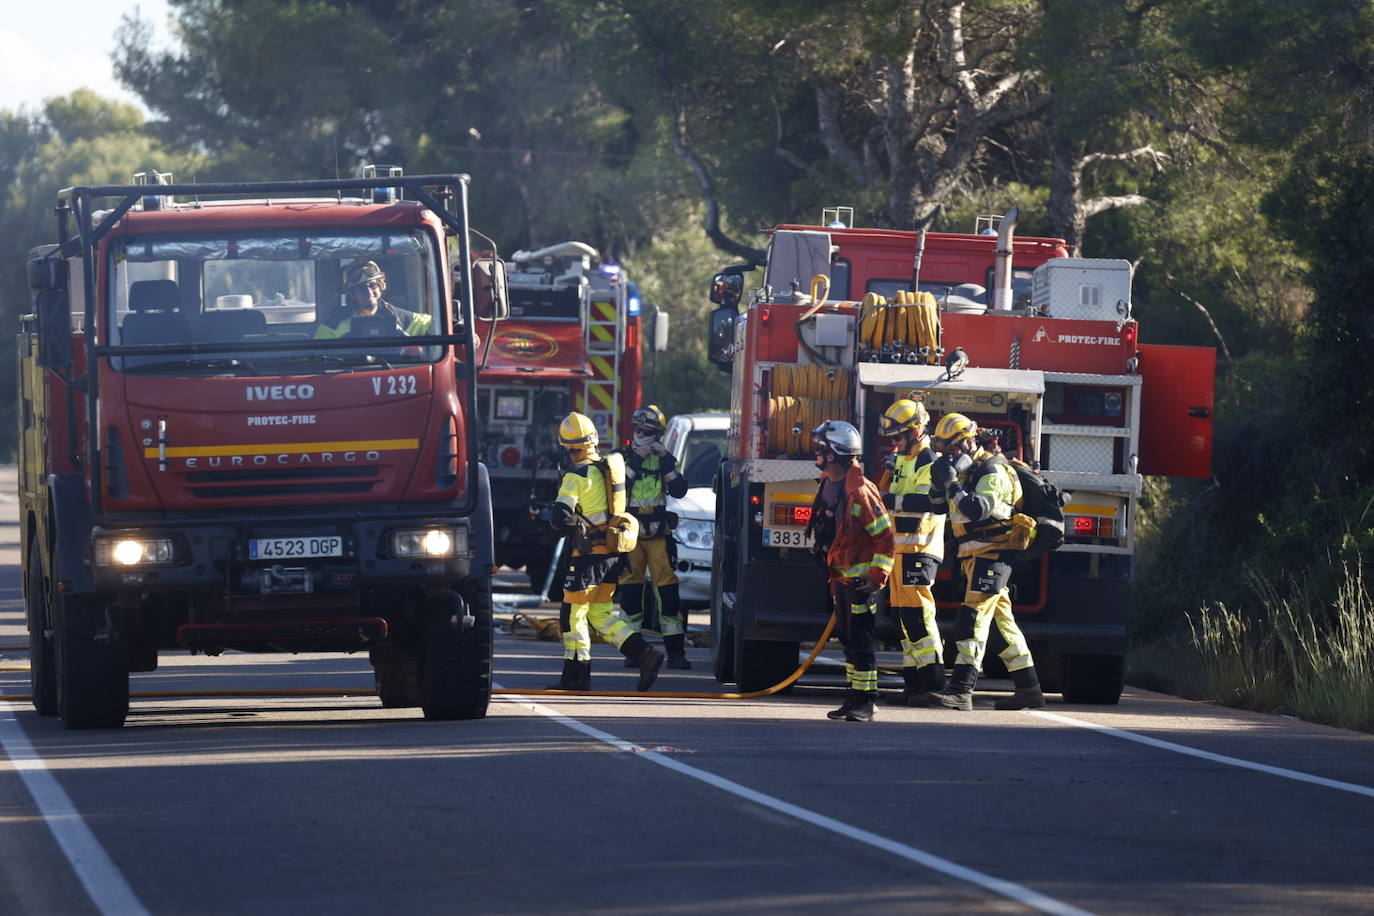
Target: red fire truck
575, 340
1010, 331
218, 451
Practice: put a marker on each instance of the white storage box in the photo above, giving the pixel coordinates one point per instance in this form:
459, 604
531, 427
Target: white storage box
1097, 289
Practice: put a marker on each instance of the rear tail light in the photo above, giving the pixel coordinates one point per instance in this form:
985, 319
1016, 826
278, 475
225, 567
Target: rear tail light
1086, 529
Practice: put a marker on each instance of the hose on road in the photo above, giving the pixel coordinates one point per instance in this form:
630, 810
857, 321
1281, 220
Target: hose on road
364, 692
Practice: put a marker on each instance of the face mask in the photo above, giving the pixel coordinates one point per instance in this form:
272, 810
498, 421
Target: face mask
642, 439
962, 464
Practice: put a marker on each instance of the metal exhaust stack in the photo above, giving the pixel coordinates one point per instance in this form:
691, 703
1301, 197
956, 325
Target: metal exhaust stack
1001, 273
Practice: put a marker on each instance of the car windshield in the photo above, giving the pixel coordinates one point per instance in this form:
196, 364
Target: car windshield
306, 287
705, 448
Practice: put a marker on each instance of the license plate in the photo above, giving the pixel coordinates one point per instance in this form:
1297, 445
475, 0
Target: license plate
787, 537
291, 548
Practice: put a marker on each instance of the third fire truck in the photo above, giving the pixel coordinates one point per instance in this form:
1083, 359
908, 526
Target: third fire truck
575, 340
1039, 346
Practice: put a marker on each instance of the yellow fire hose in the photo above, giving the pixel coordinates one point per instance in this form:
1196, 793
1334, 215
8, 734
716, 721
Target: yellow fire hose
363, 692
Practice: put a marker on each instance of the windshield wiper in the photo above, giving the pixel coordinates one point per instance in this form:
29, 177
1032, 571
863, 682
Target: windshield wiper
350, 361
233, 364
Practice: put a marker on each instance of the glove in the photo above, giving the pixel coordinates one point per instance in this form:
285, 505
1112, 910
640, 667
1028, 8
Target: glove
942, 473
666, 462
876, 579
890, 500
862, 586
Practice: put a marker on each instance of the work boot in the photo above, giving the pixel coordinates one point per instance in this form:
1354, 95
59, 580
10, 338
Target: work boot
676, 648
649, 663
862, 710
1021, 699
850, 698
570, 678
1027, 694
958, 694
911, 691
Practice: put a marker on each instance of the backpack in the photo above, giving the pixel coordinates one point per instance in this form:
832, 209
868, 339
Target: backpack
1043, 502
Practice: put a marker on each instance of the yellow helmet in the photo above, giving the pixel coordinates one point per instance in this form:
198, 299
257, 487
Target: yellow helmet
577, 432
954, 427
903, 415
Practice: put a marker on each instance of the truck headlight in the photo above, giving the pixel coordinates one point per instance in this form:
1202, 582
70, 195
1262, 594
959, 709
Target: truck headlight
429, 543
134, 551
694, 533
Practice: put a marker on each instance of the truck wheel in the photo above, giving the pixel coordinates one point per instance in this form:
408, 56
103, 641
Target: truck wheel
398, 684
42, 665
455, 674
722, 647
92, 665
1093, 679
760, 665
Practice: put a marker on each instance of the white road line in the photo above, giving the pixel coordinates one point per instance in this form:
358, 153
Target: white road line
1022, 895
110, 893
1208, 755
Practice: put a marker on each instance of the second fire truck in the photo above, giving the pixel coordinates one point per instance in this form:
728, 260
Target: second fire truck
1010, 331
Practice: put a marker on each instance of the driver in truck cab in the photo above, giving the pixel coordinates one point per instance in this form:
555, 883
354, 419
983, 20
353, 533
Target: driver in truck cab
363, 286
854, 533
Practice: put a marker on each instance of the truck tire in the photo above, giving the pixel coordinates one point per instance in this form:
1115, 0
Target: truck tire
1092, 679
398, 684
42, 664
92, 665
760, 665
455, 671
722, 646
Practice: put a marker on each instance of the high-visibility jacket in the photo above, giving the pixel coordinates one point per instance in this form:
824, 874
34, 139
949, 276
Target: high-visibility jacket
863, 530
981, 518
407, 322
917, 515
650, 483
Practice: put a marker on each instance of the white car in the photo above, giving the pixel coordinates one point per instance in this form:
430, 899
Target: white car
697, 441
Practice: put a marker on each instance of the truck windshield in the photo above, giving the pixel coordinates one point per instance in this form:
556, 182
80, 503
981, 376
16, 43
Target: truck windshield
307, 287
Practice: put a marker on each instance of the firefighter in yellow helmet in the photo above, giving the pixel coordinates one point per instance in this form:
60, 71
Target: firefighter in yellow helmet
364, 284
653, 476
918, 516
591, 491
983, 491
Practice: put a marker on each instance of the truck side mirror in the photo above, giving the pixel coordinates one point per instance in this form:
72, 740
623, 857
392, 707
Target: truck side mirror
492, 299
48, 279
727, 288
659, 342
720, 337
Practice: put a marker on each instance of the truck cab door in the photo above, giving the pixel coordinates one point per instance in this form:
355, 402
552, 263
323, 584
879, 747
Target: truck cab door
1177, 395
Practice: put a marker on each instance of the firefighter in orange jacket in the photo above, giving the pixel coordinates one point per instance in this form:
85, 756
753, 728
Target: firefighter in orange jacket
852, 527
583, 511
918, 515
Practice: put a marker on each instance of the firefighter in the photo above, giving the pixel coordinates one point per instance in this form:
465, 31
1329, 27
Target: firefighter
982, 490
363, 286
918, 516
854, 532
582, 512
652, 476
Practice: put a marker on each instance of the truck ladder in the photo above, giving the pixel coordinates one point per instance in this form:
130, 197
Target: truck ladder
605, 340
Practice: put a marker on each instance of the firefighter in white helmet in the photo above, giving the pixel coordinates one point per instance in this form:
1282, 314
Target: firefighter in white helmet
653, 476
983, 491
854, 534
583, 512
918, 517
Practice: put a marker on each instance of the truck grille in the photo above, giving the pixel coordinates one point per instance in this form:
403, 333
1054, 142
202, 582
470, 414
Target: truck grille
281, 482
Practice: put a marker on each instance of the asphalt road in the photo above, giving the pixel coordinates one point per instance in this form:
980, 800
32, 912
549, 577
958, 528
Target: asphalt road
583, 805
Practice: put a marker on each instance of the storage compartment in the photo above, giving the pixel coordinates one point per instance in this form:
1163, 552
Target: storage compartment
1096, 289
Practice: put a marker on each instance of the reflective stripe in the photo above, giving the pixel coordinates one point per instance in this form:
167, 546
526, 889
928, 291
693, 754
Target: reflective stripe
881, 523
882, 561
